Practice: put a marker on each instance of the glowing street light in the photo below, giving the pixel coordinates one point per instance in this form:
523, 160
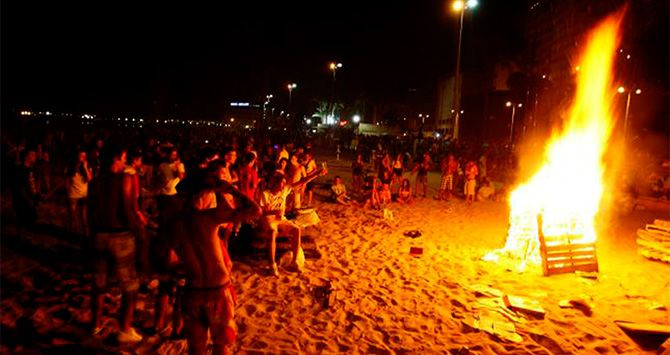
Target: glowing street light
356, 118
459, 6
333, 66
290, 87
622, 90
511, 126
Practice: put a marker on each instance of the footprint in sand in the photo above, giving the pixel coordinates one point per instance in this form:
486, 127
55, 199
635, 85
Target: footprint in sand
259, 344
380, 301
250, 309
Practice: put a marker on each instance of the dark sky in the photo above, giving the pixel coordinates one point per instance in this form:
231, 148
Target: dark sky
125, 57
130, 57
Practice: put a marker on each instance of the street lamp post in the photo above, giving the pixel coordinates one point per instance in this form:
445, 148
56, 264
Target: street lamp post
333, 67
265, 104
622, 90
460, 6
511, 126
290, 87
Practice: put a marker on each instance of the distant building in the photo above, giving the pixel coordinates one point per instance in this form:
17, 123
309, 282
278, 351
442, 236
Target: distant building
241, 114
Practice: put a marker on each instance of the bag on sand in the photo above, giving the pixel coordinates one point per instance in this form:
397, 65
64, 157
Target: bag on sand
300, 260
287, 258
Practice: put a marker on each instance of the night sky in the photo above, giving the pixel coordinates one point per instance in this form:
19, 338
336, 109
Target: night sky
136, 58
117, 57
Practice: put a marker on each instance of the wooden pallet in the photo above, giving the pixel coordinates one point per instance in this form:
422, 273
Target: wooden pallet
653, 241
560, 255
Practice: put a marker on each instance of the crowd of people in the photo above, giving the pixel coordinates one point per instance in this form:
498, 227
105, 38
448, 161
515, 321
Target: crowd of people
160, 213
150, 218
380, 180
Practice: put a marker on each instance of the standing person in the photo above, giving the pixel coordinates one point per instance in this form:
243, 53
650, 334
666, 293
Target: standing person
471, 172
281, 168
209, 297
269, 163
228, 174
171, 172
282, 153
113, 219
248, 176
310, 168
296, 172
422, 169
134, 170
397, 171
25, 195
43, 171
76, 184
357, 172
449, 171
273, 203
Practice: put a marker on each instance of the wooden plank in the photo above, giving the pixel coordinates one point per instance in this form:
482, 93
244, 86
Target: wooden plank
564, 263
573, 268
646, 328
653, 245
568, 252
571, 247
662, 223
652, 235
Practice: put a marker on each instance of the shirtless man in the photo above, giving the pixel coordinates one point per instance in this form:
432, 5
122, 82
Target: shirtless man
296, 172
273, 202
209, 298
310, 168
113, 219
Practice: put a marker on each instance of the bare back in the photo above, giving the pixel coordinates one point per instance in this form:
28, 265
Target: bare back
197, 243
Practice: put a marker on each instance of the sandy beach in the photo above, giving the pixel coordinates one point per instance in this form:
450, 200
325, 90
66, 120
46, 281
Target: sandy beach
382, 299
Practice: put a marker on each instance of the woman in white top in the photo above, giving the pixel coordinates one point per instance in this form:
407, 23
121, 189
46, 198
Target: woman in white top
78, 176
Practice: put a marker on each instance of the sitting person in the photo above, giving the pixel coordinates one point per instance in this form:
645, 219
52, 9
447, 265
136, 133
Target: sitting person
340, 192
273, 203
405, 192
371, 190
385, 190
486, 191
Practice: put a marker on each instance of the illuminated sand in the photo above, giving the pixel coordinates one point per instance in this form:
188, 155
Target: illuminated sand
384, 300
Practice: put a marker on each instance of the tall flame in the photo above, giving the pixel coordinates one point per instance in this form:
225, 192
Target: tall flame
568, 187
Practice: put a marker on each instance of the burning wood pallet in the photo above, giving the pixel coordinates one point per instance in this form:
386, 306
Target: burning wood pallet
653, 241
565, 253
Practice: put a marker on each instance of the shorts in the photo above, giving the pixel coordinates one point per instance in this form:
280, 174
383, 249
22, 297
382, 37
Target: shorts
282, 226
309, 187
118, 251
397, 172
210, 309
470, 187
422, 179
447, 182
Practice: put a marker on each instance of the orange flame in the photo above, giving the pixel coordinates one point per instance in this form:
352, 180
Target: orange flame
569, 185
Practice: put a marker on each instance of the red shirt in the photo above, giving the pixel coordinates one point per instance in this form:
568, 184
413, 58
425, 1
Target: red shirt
248, 181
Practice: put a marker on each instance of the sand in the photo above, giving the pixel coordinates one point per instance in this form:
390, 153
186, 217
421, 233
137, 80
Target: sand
384, 300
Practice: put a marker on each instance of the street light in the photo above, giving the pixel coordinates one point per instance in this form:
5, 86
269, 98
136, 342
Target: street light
356, 118
459, 6
333, 67
622, 90
290, 87
265, 104
511, 126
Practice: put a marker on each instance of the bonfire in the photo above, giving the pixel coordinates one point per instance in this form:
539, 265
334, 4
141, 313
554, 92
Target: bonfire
560, 201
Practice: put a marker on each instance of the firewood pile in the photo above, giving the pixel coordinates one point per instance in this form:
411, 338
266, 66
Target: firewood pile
653, 241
